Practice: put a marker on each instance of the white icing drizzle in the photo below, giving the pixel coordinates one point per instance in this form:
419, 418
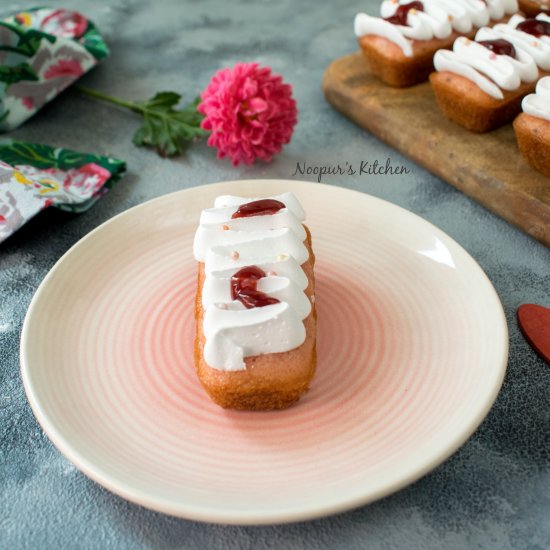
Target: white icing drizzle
438, 19
537, 47
492, 73
538, 104
499, 8
275, 244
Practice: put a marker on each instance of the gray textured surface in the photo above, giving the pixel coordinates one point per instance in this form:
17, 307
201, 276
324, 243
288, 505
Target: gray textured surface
493, 493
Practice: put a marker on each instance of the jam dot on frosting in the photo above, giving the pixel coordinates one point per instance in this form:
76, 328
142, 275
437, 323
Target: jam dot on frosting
499, 46
244, 287
258, 208
536, 27
400, 15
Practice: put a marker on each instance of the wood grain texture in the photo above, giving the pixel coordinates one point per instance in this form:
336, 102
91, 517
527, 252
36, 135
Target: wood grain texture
487, 167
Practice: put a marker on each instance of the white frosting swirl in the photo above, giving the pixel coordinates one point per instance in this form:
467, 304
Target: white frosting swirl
499, 8
538, 104
438, 19
538, 47
275, 244
491, 72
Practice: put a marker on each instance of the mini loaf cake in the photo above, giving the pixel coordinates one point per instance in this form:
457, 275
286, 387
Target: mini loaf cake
255, 310
532, 127
400, 45
480, 84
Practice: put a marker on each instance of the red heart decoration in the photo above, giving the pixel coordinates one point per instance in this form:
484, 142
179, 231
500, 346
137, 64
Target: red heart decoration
534, 322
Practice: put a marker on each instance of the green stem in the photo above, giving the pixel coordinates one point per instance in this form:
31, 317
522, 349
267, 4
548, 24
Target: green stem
126, 104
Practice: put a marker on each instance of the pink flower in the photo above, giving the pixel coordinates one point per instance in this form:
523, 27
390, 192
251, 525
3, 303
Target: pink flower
66, 23
28, 102
250, 112
93, 169
89, 177
64, 67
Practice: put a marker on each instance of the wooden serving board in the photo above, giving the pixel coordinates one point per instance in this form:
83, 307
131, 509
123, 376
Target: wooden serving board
487, 167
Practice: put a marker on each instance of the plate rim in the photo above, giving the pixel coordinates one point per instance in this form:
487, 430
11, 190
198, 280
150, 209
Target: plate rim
227, 516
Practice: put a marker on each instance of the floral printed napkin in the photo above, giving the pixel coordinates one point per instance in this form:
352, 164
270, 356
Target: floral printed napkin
34, 177
42, 51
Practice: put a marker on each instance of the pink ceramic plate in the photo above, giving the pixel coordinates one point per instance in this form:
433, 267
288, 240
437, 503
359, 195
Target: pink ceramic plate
412, 351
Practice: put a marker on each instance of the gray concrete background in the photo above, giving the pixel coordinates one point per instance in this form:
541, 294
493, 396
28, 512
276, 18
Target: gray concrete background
493, 493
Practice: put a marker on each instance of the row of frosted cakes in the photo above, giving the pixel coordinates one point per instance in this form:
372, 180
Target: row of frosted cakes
481, 57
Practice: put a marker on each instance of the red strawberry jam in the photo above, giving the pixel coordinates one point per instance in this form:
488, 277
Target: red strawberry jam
258, 208
244, 287
499, 47
536, 27
400, 15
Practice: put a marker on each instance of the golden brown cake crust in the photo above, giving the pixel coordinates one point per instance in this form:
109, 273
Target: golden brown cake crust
533, 137
463, 102
387, 60
532, 8
270, 381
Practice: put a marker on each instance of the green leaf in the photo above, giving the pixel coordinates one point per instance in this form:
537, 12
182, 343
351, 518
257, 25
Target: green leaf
16, 73
67, 159
18, 152
13, 27
162, 101
29, 43
166, 128
94, 42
